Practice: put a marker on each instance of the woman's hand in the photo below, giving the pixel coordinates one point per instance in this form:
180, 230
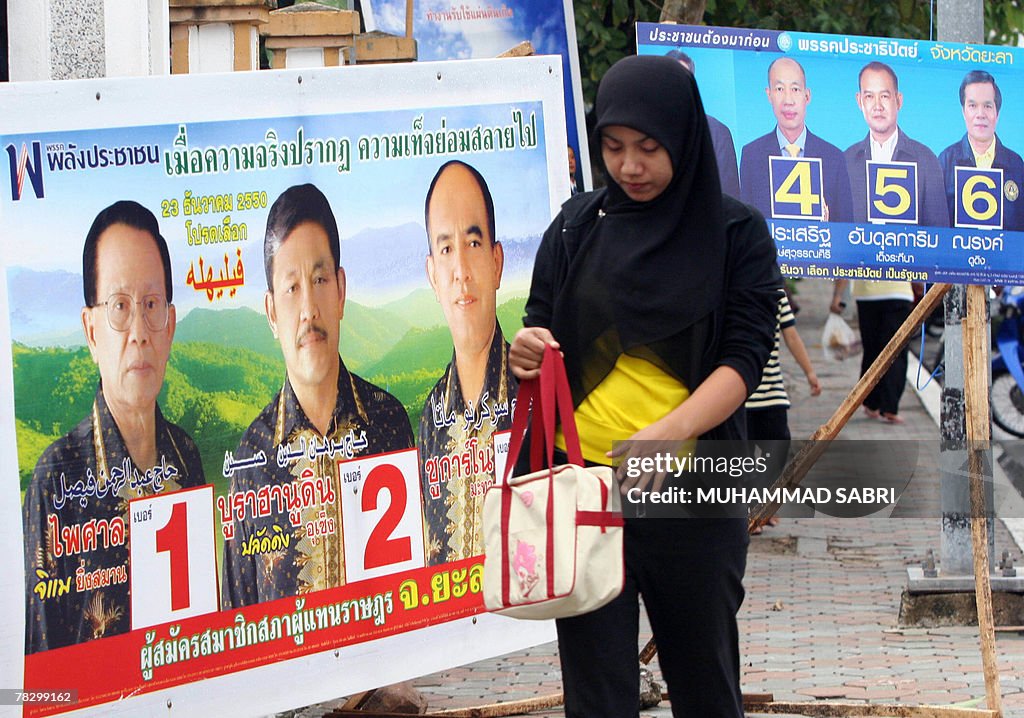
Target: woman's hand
663, 438
527, 351
718, 396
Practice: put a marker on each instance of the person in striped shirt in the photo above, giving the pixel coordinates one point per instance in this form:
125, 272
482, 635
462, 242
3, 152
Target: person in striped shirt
768, 407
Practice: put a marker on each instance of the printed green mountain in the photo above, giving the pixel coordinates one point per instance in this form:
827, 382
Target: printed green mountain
432, 348
510, 316
418, 309
242, 328
367, 333
53, 388
31, 445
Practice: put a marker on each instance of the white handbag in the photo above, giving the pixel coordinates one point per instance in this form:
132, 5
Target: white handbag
553, 538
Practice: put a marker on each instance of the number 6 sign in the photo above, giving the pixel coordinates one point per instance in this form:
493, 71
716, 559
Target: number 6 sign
381, 514
173, 557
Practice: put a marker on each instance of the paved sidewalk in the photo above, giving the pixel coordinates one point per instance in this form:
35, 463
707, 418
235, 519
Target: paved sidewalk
823, 594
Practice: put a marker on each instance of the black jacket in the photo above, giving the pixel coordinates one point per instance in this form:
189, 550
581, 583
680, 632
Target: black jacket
740, 333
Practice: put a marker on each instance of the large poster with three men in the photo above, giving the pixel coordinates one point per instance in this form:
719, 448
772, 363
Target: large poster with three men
254, 338
872, 158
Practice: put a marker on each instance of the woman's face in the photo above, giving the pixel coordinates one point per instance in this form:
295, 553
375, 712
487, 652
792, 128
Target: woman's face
638, 163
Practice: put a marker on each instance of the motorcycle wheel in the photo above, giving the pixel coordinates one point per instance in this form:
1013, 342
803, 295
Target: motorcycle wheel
1008, 404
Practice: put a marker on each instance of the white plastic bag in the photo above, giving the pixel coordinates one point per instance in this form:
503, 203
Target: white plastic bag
838, 339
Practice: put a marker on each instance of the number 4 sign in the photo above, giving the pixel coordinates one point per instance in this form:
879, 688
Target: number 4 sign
796, 188
173, 556
381, 514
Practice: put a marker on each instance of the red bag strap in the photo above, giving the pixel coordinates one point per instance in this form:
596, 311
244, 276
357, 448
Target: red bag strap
556, 395
546, 395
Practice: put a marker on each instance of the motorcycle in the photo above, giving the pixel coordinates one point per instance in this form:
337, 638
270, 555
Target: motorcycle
1007, 369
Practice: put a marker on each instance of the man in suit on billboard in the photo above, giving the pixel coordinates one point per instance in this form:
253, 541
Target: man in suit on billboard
880, 99
789, 96
981, 102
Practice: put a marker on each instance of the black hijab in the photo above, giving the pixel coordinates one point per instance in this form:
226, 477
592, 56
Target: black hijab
648, 275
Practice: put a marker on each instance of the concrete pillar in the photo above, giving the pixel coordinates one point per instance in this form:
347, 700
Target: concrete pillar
216, 35
72, 39
311, 35
958, 21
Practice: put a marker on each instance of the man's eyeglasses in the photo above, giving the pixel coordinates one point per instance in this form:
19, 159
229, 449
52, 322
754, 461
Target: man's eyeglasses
121, 311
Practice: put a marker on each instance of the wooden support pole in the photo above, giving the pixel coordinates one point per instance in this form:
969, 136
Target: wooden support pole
978, 426
813, 449
797, 469
823, 709
494, 710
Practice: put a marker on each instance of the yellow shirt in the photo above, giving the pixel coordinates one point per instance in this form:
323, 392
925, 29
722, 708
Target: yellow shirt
883, 290
986, 158
635, 394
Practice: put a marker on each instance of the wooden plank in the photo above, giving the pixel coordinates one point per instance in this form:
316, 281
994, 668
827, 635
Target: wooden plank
813, 449
511, 708
243, 48
384, 48
355, 701
218, 3
179, 49
975, 348
274, 42
493, 710
203, 15
826, 709
523, 49
301, 24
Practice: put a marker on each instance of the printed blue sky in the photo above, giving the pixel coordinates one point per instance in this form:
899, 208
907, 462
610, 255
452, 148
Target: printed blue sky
374, 195
540, 21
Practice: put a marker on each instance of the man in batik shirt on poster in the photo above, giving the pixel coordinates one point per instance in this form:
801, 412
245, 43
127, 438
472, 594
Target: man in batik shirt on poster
475, 397
324, 414
76, 506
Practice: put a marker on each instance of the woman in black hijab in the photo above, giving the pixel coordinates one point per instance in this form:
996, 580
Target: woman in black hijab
661, 294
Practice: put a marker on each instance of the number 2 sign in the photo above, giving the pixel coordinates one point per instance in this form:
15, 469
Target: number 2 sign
173, 556
381, 514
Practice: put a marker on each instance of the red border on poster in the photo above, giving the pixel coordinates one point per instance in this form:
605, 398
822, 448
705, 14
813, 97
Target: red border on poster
214, 644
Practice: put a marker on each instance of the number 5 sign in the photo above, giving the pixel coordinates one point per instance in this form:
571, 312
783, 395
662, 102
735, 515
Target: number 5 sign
381, 514
892, 192
173, 557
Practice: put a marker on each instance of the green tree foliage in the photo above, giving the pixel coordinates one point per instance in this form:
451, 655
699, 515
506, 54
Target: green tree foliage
605, 33
1004, 22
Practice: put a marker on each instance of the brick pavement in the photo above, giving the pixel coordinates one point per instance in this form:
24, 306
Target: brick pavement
823, 594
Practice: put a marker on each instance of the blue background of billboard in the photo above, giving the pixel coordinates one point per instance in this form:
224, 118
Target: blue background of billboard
732, 84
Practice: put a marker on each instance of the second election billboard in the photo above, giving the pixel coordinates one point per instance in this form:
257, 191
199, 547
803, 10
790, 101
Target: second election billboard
872, 158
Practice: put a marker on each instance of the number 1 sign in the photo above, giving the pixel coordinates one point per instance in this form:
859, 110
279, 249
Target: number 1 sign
173, 561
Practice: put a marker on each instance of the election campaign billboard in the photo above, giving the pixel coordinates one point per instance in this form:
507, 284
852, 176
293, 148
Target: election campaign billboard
871, 158
253, 374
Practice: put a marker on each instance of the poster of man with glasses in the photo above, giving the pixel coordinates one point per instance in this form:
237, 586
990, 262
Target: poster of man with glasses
76, 504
